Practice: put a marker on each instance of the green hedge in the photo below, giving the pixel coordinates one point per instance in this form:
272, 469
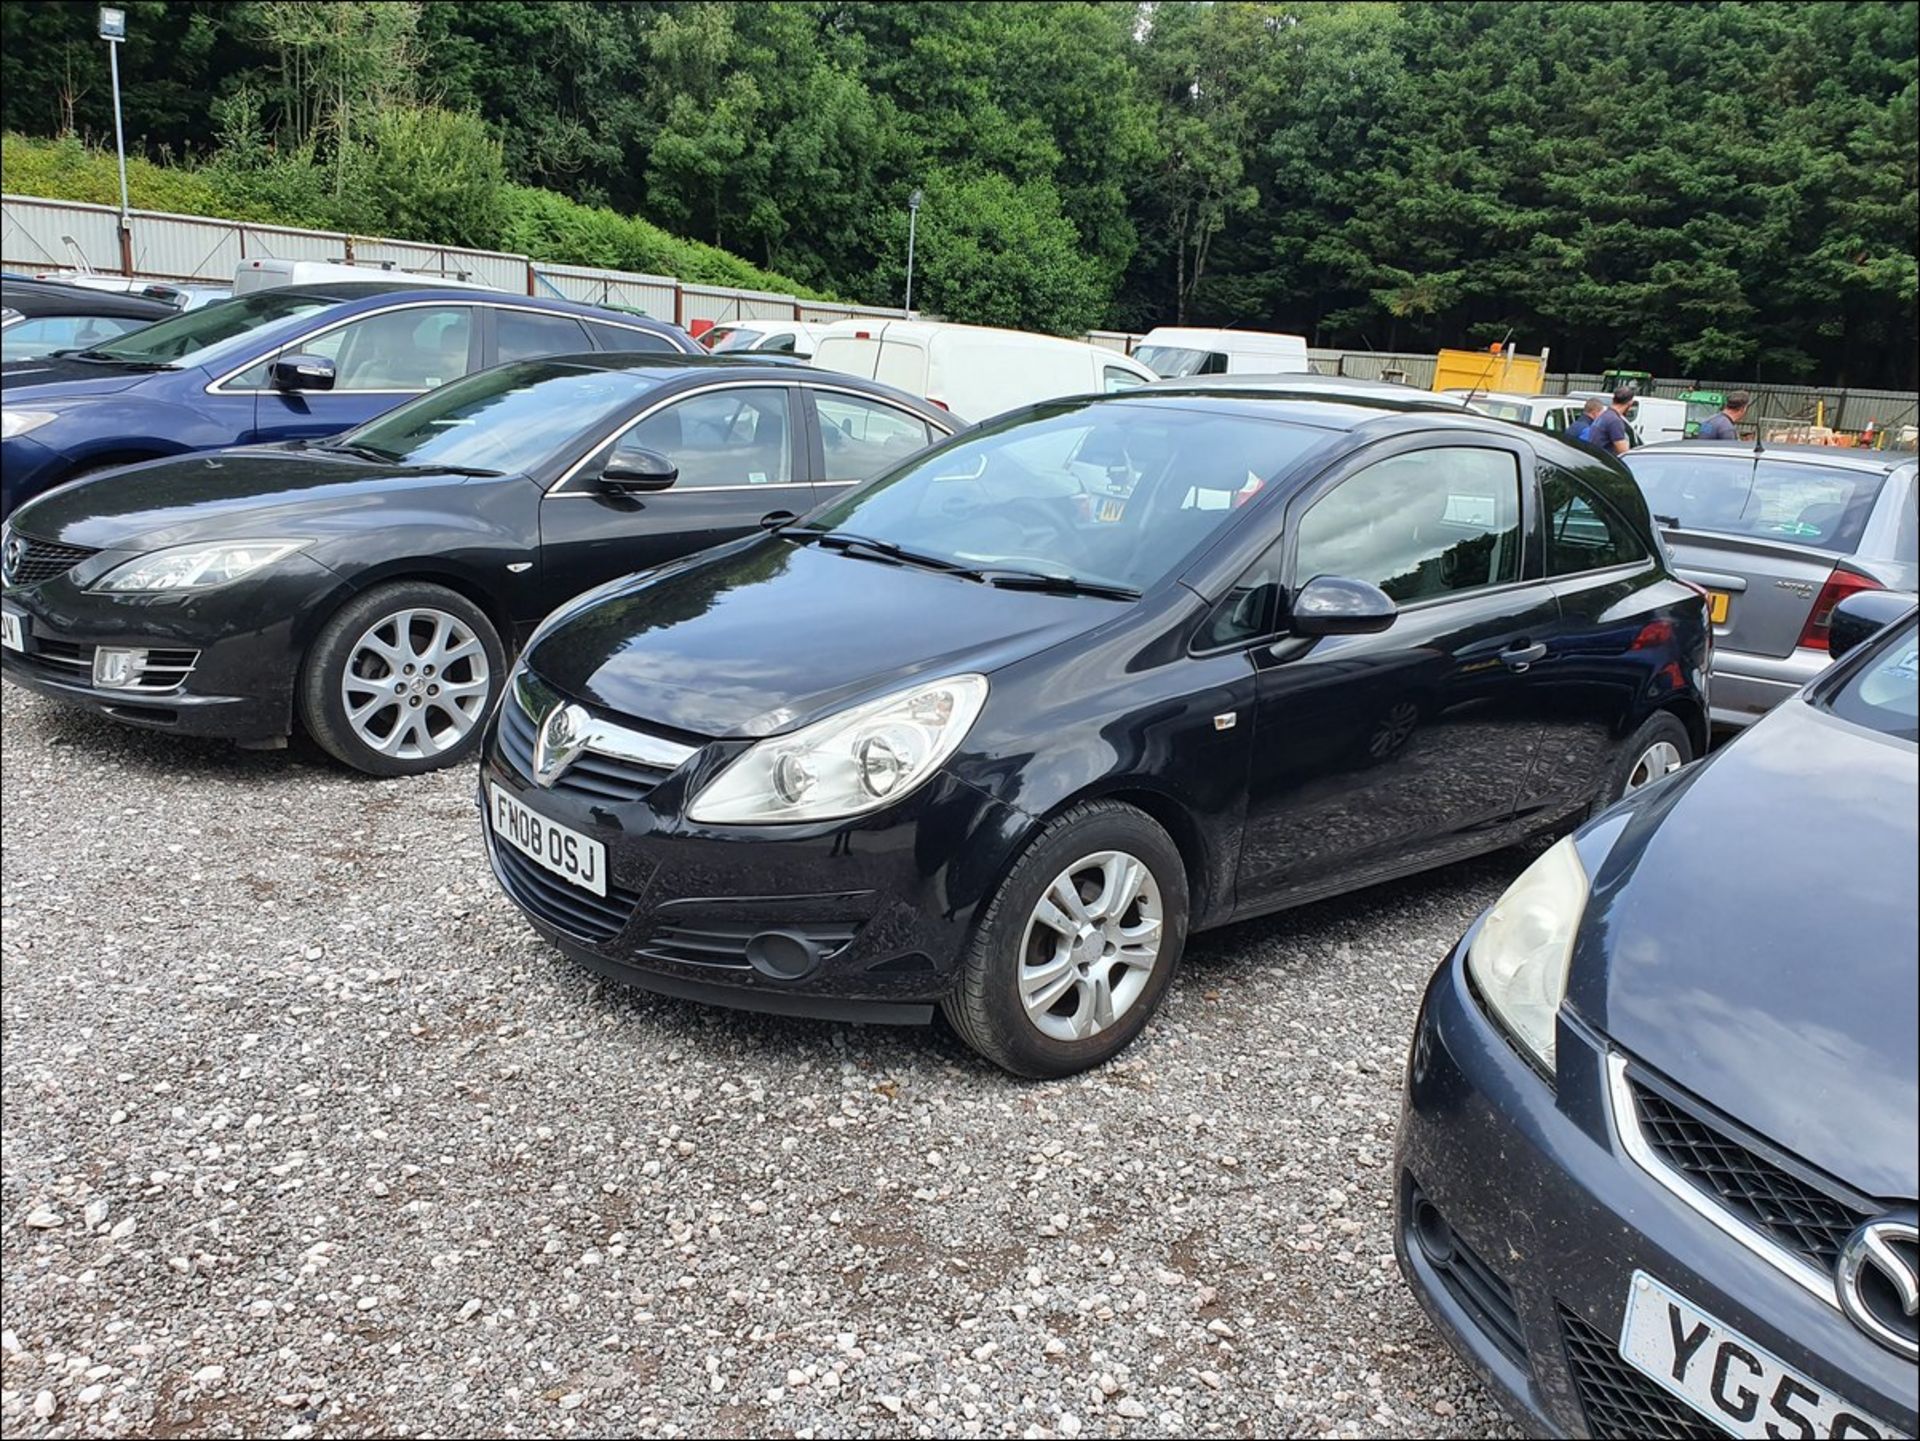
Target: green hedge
422, 177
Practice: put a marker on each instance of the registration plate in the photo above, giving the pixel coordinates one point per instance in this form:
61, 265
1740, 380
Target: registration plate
1718, 603
1725, 1377
568, 854
13, 630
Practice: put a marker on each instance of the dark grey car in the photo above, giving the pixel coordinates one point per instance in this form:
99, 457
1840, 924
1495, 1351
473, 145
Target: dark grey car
1778, 537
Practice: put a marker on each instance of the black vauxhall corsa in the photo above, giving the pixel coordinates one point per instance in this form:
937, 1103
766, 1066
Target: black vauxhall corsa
1656, 1169
371, 584
998, 730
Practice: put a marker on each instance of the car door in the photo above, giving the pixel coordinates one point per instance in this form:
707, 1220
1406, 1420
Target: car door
857, 437
379, 359
736, 446
1375, 754
1611, 647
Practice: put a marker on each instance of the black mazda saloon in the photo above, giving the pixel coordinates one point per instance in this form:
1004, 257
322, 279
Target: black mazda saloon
995, 732
1657, 1157
370, 586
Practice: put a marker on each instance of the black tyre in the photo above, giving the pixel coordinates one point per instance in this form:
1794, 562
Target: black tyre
400, 681
1076, 949
1660, 747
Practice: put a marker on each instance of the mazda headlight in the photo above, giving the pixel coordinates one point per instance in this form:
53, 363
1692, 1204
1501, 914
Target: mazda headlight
19, 422
1519, 957
196, 567
847, 764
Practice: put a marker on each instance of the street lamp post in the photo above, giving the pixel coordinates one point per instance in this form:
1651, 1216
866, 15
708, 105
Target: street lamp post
113, 30
913, 217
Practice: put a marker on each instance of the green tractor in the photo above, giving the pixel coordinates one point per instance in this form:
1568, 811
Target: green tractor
1700, 404
1638, 381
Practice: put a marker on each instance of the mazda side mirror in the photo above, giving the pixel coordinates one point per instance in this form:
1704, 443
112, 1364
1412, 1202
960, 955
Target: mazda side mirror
1861, 616
301, 372
630, 468
1337, 605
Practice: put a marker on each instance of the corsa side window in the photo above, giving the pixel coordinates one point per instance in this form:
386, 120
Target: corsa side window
1421, 526
1582, 531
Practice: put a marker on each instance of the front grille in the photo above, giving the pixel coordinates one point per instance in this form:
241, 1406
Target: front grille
63, 660
28, 561
711, 945
1804, 1218
561, 904
591, 774
1468, 1279
1619, 1400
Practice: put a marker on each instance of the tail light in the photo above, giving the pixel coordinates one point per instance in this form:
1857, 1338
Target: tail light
941, 403
863, 335
1840, 585
1654, 635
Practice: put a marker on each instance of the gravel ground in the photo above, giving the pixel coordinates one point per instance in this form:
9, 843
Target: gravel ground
307, 1134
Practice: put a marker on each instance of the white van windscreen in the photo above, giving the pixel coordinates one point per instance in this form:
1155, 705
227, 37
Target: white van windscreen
1169, 361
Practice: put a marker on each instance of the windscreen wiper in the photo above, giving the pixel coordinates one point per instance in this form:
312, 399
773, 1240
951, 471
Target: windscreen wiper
1057, 584
867, 547
98, 357
358, 452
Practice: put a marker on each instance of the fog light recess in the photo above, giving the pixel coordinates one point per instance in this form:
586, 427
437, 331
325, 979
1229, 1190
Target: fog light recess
115, 668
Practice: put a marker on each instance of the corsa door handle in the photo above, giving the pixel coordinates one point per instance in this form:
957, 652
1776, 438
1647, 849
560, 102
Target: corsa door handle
773, 519
1519, 657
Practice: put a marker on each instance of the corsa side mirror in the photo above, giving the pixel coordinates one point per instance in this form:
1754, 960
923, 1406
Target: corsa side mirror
1861, 616
1337, 605
301, 372
631, 468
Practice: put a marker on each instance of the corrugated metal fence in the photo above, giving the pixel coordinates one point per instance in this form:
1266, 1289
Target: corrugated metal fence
1843, 408
39, 235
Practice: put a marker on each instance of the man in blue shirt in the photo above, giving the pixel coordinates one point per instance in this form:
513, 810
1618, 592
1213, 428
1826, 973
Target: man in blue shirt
1609, 431
1582, 423
1724, 424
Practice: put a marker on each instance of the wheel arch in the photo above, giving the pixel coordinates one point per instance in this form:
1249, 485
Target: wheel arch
1207, 890
428, 572
1691, 713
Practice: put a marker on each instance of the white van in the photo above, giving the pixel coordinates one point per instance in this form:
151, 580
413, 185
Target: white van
271, 274
1175, 350
974, 371
1651, 418
797, 338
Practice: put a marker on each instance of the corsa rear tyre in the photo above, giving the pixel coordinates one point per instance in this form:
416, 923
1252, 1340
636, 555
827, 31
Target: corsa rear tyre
1660, 747
1075, 951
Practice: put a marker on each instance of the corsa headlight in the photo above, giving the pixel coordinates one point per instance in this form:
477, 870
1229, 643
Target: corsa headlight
1519, 957
19, 422
847, 764
196, 567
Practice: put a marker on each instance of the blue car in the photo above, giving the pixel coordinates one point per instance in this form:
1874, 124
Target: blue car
1657, 1156
283, 364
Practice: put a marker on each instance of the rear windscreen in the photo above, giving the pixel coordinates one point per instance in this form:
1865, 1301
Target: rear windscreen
1793, 500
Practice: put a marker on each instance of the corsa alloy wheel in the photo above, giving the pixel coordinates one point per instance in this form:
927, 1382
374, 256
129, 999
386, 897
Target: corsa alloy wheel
415, 683
1090, 946
1662, 758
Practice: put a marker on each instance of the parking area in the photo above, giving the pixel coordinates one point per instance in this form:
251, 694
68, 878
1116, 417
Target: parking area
308, 1134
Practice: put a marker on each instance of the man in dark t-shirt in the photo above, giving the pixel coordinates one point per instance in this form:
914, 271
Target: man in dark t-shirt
1609, 430
1724, 423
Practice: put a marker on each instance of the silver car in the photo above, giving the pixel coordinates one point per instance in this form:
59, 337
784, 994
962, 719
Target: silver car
1778, 536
